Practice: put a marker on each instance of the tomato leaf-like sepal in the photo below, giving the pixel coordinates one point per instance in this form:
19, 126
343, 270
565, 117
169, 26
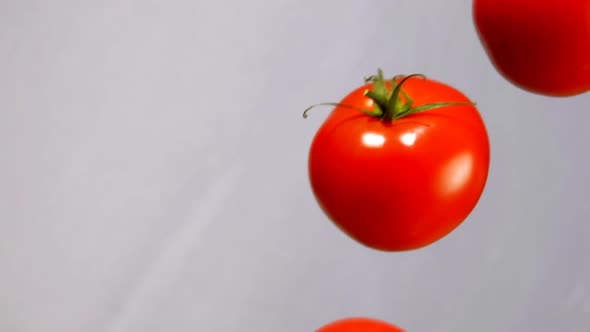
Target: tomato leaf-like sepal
427, 107
367, 112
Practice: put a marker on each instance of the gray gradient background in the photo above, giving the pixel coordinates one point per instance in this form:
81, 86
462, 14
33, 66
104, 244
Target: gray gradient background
154, 173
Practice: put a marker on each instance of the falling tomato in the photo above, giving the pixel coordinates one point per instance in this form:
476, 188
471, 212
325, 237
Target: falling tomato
399, 168
541, 46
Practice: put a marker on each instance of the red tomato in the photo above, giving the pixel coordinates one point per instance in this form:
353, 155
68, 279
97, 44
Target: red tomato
400, 184
542, 46
359, 324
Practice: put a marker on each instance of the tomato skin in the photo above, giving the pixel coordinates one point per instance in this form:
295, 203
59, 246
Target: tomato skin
359, 324
542, 46
401, 185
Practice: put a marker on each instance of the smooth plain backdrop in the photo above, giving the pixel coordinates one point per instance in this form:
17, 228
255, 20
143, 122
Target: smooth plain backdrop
153, 173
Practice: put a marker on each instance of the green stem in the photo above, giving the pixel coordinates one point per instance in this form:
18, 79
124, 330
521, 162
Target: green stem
395, 105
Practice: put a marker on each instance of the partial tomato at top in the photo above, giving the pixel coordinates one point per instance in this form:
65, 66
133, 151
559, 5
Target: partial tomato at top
359, 324
541, 46
399, 168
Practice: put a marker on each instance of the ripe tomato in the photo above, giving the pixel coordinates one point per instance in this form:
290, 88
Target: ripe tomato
397, 169
359, 324
542, 46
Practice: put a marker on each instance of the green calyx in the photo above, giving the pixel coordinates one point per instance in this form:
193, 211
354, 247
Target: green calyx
391, 102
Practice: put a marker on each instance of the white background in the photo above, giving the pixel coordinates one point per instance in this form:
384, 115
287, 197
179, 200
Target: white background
153, 173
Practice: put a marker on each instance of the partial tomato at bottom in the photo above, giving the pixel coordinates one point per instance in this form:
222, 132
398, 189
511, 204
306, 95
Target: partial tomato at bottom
398, 168
359, 324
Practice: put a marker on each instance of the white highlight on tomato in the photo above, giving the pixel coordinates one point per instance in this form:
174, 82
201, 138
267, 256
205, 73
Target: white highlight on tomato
408, 139
456, 173
373, 140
